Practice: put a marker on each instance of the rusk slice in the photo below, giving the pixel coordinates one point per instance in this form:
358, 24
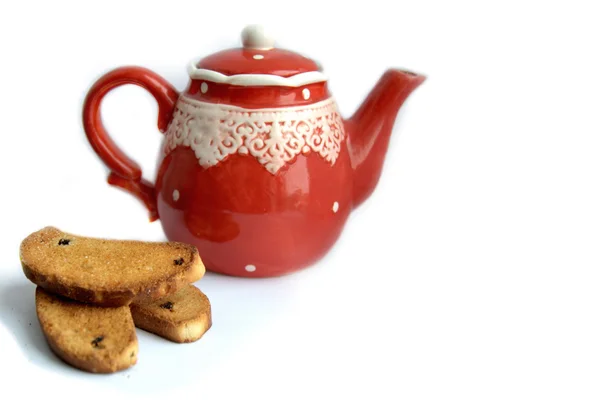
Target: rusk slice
107, 272
91, 338
182, 317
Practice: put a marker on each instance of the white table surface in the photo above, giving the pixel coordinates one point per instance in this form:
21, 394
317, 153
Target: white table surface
471, 273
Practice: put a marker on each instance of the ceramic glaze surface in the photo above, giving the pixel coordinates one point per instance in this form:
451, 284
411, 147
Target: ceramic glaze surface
275, 137
258, 169
238, 213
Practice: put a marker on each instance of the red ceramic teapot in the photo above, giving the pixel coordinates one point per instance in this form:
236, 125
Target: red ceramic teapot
258, 169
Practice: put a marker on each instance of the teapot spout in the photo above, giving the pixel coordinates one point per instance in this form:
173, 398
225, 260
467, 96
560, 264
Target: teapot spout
370, 127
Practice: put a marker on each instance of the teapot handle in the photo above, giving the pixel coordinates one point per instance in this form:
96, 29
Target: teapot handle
126, 173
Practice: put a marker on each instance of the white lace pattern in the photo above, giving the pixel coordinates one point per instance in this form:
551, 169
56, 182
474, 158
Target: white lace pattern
273, 136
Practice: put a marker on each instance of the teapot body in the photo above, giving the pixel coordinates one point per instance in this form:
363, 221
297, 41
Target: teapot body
259, 191
257, 168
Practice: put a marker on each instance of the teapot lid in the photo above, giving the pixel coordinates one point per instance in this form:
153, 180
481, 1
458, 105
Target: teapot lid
257, 63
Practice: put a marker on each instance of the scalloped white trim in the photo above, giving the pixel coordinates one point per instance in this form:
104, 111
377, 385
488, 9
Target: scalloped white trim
275, 136
305, 78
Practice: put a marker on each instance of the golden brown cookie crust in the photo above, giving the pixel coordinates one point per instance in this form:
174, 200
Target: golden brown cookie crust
182, 317
107, 272
91, 338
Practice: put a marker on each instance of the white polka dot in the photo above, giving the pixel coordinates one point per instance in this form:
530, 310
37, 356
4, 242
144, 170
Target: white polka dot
305, 149
306, 93
175, 195
258, 56
336, 207
250, 268
204, 87
243, 150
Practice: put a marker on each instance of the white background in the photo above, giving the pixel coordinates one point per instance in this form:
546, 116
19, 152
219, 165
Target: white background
471, 273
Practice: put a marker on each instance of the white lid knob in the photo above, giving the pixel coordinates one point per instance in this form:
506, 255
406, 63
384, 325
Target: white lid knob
255, 37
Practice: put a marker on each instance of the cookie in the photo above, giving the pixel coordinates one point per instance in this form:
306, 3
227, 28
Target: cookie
182, 317
107, 272
91, 338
